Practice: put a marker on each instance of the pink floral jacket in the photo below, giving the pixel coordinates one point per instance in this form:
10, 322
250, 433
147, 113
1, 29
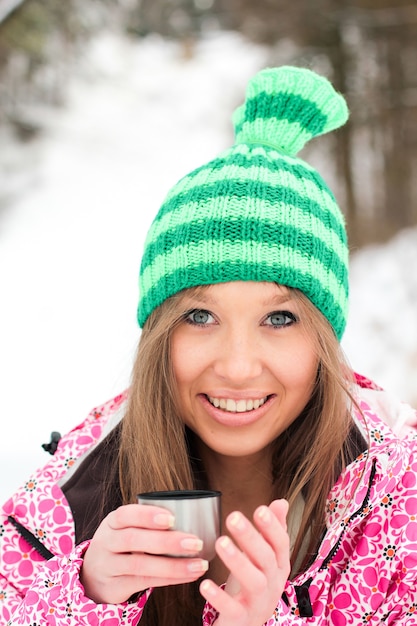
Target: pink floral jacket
365, 572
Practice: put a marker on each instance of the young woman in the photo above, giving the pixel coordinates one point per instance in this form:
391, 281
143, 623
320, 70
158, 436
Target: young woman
239, 385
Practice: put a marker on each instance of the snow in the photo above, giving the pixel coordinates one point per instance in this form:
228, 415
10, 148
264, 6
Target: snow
80, 199
381, 337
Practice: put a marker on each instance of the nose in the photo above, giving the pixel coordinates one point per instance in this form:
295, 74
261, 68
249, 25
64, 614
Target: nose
238, 358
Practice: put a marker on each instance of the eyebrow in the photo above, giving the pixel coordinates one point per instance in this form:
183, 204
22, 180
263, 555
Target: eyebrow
275, 300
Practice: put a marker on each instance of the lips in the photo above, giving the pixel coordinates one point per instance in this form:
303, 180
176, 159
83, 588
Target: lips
231, 405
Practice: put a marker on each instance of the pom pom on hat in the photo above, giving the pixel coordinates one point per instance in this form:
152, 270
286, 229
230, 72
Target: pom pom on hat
285, 107
257, 212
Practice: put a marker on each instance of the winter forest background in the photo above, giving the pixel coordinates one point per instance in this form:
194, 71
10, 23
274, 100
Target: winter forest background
104, 105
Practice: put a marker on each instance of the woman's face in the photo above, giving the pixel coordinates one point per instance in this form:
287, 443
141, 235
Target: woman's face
244, 365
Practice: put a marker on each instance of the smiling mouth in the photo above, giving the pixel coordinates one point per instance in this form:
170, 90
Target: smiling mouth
236, 406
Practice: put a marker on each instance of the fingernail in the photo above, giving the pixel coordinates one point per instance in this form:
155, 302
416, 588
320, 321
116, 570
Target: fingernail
193, 545
236, 520
198, 566
227, 545
164, 519
264, 514
208, 587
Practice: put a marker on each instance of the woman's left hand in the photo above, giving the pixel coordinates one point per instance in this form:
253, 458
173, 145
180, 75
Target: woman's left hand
258, 559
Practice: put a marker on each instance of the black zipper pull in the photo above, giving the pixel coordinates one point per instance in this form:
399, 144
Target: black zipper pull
303, 598
53, 444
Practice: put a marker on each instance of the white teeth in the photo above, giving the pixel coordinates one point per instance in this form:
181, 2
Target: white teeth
231, 406
236, 406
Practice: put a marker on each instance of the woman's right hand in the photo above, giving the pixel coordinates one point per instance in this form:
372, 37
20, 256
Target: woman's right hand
126, 554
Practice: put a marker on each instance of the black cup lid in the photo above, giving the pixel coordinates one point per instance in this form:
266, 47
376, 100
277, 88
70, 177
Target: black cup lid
179, 494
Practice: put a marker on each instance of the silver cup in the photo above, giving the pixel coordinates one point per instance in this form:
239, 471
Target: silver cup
197, 512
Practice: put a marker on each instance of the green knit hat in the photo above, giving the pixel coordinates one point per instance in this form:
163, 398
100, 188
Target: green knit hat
257, 212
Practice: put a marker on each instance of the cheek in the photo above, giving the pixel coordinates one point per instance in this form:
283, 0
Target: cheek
181, 371
185, 359
309, 372
302, 368
178, 360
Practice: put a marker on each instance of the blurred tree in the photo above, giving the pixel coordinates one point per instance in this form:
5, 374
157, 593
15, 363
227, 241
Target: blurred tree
37, 42
393, 33
181, 19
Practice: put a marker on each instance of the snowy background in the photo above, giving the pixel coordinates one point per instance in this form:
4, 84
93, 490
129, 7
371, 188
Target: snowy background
76, 205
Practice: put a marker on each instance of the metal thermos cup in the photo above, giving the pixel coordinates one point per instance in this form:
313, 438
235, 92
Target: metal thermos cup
196, 512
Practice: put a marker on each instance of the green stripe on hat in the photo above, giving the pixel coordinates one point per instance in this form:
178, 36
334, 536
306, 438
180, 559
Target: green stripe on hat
194, 226
300, 136
257, 166
237, 251
234, 270
250, 190
285, 107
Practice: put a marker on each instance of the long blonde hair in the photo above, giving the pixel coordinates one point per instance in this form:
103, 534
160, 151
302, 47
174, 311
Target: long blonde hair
155, 446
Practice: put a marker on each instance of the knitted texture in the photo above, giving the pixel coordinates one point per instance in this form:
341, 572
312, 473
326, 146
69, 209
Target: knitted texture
257, 212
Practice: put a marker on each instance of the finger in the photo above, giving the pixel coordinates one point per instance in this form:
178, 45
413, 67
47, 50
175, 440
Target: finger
159, 567
280, 510
273, 530
132, 573
251, 541
247, 574
225, 604
140, 516
167, 542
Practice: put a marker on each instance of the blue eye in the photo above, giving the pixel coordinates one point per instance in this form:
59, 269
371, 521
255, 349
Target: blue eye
199, 317
279, 319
